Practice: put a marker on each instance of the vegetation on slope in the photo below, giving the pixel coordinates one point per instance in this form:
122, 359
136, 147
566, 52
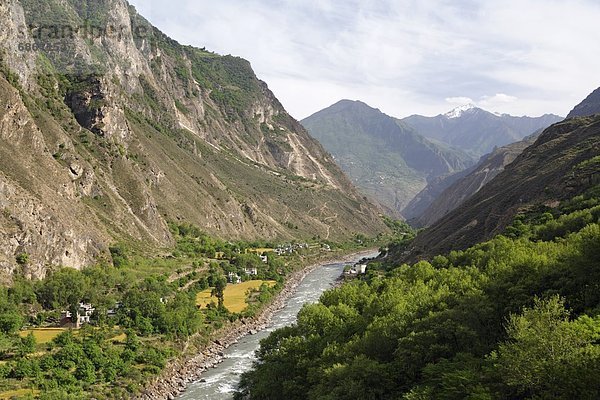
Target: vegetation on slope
387, 159
155, 313
551, 170
517, 317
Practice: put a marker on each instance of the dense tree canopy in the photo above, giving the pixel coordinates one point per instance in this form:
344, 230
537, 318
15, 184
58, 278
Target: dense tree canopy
517, 317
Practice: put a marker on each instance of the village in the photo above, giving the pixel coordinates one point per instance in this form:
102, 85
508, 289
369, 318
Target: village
83, 313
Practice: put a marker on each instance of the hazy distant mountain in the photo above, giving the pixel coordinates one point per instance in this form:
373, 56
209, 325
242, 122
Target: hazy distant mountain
434, 189
457, 188
589, 106
478, 131
383, 156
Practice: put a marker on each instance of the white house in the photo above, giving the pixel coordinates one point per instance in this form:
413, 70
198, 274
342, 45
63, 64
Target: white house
251, 271
234, 278
84, 314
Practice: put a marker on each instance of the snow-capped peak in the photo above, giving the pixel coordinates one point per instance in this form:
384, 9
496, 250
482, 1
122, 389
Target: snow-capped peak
458, 111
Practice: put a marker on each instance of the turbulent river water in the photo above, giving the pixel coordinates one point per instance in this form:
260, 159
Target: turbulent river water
220, 382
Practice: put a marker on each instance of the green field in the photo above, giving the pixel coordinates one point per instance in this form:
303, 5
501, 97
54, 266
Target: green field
235, 295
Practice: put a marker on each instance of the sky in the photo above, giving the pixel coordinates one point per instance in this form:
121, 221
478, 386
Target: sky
522, 57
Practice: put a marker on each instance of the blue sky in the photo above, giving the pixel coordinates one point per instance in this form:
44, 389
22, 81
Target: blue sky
523, 57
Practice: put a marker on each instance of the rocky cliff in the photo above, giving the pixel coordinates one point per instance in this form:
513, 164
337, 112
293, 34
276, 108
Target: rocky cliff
109, 130
589, 106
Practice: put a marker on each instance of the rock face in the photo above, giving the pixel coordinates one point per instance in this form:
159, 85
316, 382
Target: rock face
478, 131
112, 129
589, 106
386, 158
439, 198
555, 167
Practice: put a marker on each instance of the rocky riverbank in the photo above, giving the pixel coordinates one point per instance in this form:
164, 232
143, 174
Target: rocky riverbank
180, 373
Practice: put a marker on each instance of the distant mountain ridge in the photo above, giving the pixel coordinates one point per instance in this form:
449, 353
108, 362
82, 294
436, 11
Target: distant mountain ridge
389, 160
442, 196
589, 106
478, 131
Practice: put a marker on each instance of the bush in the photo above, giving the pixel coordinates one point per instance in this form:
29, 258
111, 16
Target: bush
22, 259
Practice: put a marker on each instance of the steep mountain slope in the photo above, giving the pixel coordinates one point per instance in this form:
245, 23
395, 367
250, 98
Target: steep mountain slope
384, 157
589, 106
434, 189
560, 164
478, 131
427, 209
109, 129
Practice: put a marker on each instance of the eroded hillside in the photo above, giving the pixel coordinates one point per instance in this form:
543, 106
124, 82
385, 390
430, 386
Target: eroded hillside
109, 129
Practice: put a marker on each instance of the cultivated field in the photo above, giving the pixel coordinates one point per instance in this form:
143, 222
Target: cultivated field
235, 296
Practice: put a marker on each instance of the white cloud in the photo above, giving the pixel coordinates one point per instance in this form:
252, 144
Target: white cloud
499, 102
498, 98
459, 100
402, 56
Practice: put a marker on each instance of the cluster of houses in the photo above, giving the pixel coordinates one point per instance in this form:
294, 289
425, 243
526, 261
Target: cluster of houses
84, 315
281, 250
357, 269
234, 278
289, 248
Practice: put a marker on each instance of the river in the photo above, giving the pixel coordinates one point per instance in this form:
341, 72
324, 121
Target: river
220, 383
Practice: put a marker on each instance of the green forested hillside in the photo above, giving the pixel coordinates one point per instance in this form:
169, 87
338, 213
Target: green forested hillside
146, 314
517, 317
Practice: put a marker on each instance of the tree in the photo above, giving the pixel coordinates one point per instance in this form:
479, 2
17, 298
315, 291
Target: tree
22, 258
85, 371
10, 322
132, 342
27, 345
546, 353
63, 289
219, 290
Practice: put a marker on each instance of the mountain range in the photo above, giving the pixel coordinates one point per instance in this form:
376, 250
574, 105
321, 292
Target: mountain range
444, 195
562, 163
478, 131
388, 159
404, 164
108, 139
